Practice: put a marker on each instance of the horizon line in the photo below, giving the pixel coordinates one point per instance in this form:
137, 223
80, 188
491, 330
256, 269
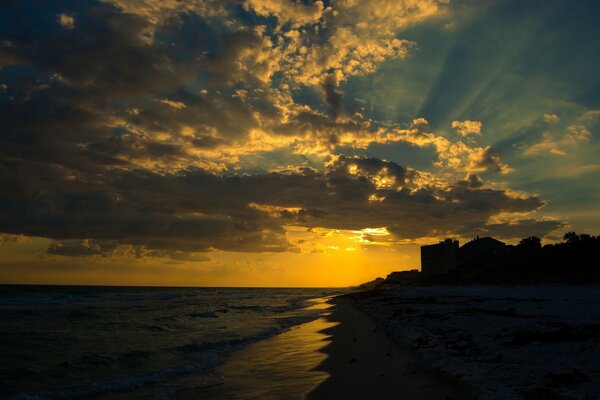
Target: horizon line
175, 286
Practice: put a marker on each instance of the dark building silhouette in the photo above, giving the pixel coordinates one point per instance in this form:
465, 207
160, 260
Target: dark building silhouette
439, 258
490, 261
480, 247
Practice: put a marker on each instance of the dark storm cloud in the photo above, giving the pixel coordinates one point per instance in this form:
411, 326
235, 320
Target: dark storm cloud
343, 197
522, 228
212, 112
93, 95
81, 248
201, 211
129, 207
110, 53
67, 170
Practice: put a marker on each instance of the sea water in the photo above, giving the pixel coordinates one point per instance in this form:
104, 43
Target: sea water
135, 343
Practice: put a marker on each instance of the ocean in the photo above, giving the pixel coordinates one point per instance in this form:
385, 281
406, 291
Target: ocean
76, 342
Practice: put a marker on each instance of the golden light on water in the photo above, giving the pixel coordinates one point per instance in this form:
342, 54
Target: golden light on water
290, 372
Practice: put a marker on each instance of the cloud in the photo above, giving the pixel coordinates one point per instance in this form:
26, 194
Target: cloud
92, 214
295, 12
348, 38
466, 128
575, 135
156, 11
126, 99
81, 248
455, 156
410, 204
66, 21
333, 96
114, 249
550, 118
591, 114
484, 159
175, 104
125, 134
420, 123
521, 227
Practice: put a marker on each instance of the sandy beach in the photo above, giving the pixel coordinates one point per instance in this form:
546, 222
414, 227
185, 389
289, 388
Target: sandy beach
447, 342
363, 362
344, 355
505, 342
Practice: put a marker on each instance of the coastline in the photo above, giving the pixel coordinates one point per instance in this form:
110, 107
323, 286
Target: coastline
279, 367
440, 342
344, 354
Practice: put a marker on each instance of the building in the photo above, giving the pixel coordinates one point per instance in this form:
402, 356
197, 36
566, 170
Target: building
439, 258
479, 248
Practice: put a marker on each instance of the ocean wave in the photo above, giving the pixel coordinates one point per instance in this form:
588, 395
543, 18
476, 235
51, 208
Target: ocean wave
231, 344
123, 384
64, 298
204, 314
208, 355
248, 308
143, 340
110, 361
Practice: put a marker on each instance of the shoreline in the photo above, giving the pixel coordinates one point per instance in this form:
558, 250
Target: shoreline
279, 367
344, 354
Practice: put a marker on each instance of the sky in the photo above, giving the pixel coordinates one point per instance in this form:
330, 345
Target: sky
288, 143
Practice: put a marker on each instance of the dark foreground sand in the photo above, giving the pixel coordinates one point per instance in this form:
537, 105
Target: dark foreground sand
505, 342
345, 355
364, 363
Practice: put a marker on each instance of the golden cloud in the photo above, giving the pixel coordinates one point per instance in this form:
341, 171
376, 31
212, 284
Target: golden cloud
465, 128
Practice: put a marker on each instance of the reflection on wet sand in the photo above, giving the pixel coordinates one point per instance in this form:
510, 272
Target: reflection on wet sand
282, 367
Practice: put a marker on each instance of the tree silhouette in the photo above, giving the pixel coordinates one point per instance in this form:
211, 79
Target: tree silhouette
531, 243
571, 237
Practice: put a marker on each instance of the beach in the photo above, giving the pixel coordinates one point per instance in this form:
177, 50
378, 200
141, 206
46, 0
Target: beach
506, 342
364, 362
446, 342
345, 354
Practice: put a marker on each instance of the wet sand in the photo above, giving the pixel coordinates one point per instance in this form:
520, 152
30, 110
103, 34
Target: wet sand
344, 355
281, 367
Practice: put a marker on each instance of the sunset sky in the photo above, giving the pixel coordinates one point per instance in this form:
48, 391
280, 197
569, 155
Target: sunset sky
288, 143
